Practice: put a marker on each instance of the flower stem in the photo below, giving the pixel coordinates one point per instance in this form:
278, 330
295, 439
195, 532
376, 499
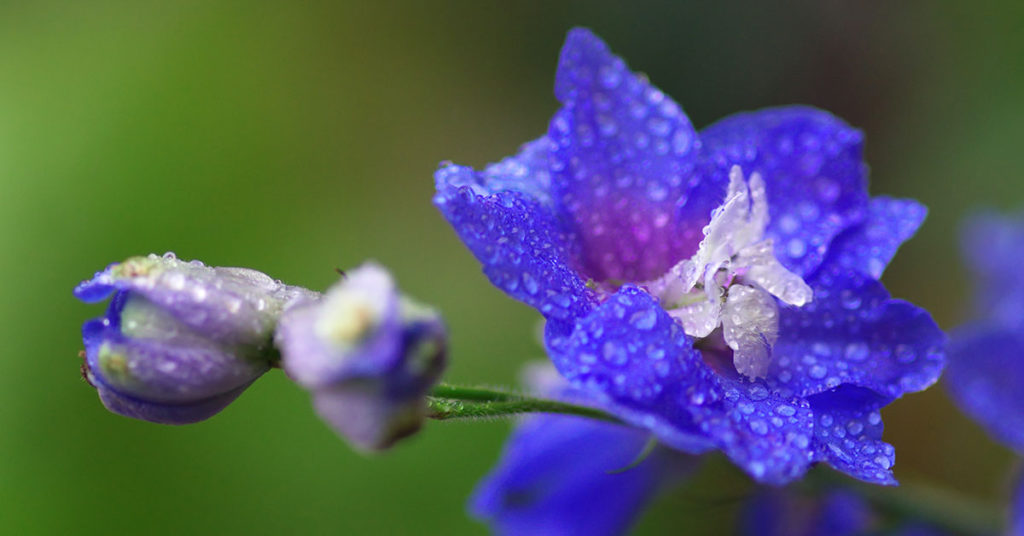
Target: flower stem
449, 402
476, 394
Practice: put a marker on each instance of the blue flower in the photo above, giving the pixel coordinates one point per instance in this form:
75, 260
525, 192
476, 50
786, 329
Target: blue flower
564, 475
986, 372
719, 289
368, 355
179, 340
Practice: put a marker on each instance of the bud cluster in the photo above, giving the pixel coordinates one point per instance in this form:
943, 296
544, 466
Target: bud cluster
181, 340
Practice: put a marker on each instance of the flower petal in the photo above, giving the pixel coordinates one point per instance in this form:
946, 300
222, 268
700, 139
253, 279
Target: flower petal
986, 377
870, 246
556, 477
231, 305
524, 249
622, 159
166, 371
848, 434
766, 434
192, 412
631, 354
854, 333
812, 165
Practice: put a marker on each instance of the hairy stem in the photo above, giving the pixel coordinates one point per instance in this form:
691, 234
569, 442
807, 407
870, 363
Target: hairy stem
448, 402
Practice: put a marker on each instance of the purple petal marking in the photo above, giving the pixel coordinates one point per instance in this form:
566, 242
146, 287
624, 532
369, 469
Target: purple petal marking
622, 159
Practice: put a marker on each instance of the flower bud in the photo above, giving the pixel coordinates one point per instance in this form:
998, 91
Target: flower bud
180, 340
368, 355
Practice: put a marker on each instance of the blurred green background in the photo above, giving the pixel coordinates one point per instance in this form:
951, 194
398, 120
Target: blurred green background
295, 137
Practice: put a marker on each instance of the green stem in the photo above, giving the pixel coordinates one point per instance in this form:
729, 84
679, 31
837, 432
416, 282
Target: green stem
476, 394
453, 402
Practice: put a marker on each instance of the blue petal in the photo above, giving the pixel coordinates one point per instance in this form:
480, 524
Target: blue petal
632, 354
870, 246
848, 434
165, 372
96, 289
556, 477
993, 246
162, 413
524, 249
986, 378
765, 433
812, 166
854, 333
622, 159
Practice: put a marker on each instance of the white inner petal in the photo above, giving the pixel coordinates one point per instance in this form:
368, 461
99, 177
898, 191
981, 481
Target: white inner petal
733, 279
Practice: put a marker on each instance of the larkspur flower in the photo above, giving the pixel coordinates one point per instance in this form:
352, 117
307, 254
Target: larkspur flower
180, 340
719, 289
367, 354
986, 372
775, 512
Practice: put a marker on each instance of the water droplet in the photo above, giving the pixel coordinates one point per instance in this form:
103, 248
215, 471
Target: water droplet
759, 427
905, 353
613, 353
529, 283
854, 427
828, 190
818, 372
610, 76
796, 248
681, 142
857, 351
850, 299
656, 352
785, 411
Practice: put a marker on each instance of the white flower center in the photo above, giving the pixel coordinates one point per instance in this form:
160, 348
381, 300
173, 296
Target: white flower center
733, 279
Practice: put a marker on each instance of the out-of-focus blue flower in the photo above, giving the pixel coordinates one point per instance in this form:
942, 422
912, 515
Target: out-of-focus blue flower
986, 361
367, 354
720, 288
775, 512
180, 340
783, 513
564, 475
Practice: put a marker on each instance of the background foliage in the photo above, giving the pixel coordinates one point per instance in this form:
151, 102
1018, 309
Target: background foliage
296, 137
